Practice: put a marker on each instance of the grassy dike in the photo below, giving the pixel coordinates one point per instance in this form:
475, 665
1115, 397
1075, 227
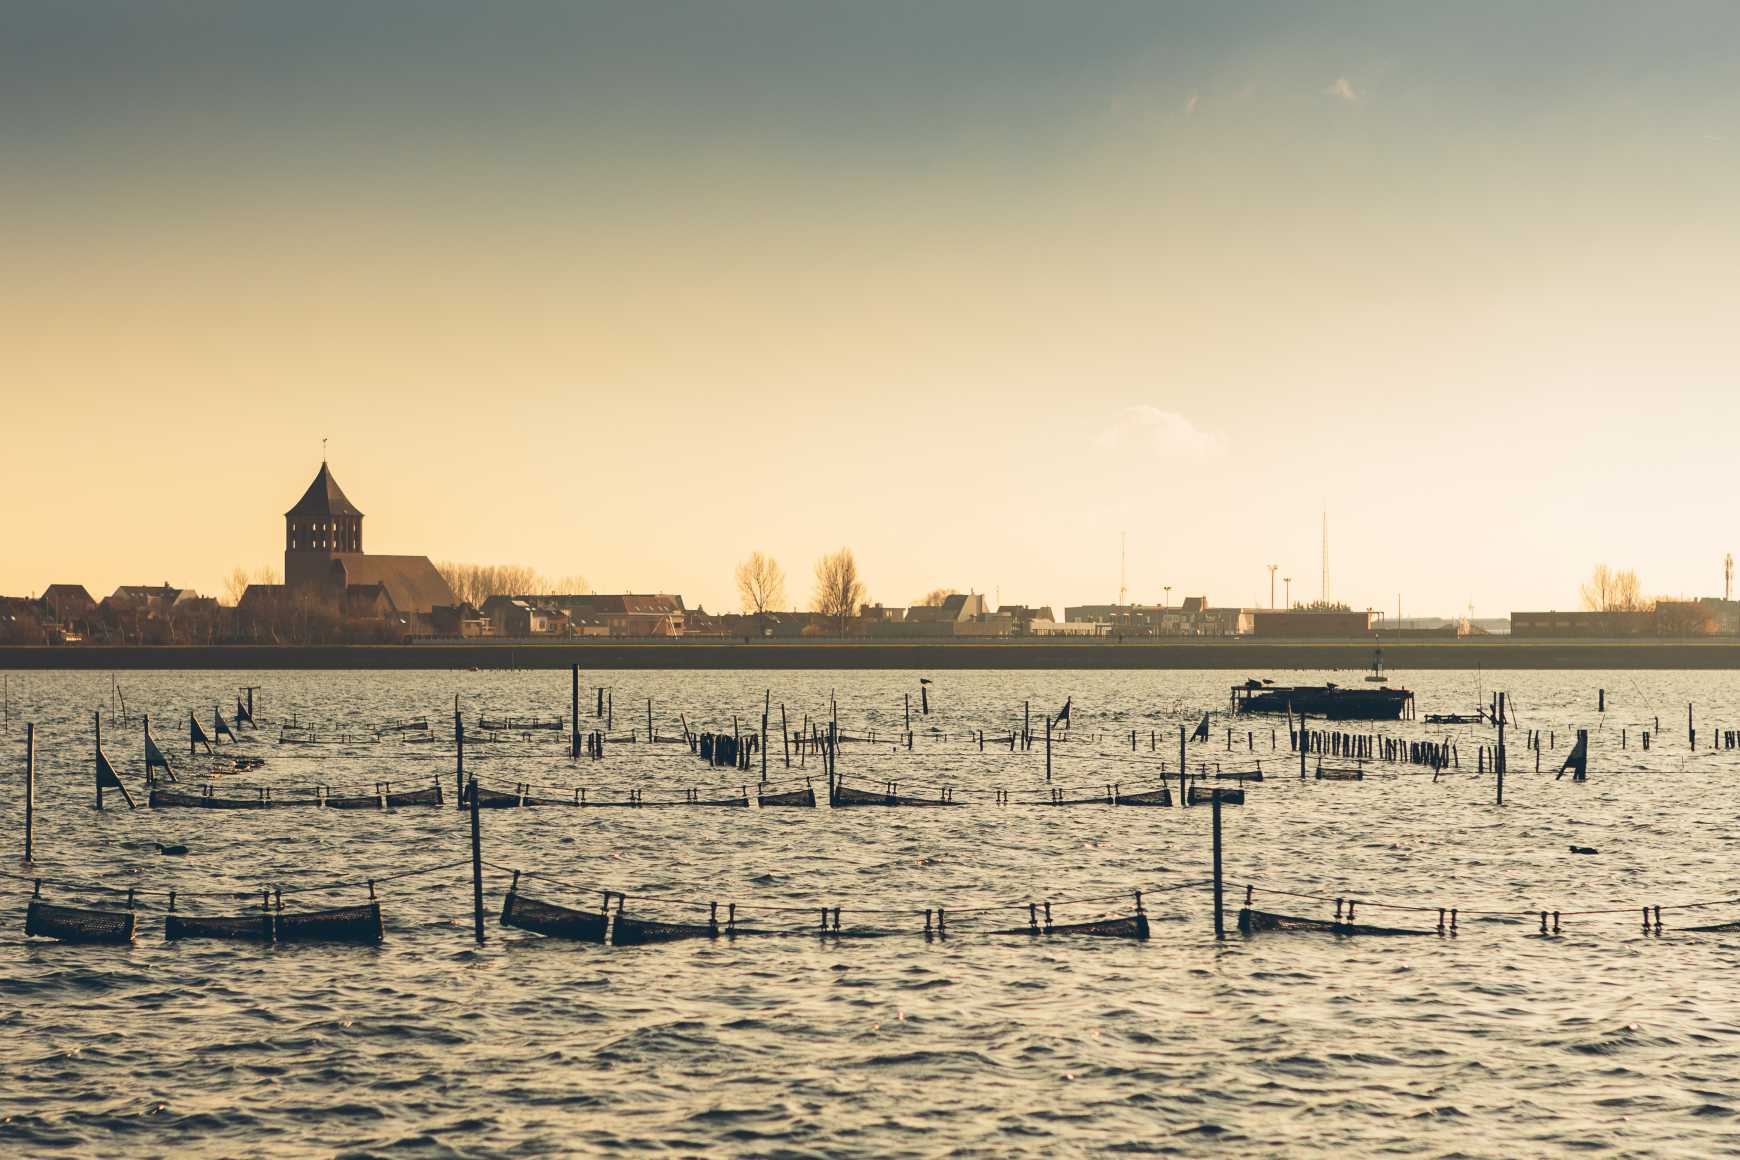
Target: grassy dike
1252, 655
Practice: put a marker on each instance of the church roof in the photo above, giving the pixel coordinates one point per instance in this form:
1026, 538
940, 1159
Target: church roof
412, 582
323, 498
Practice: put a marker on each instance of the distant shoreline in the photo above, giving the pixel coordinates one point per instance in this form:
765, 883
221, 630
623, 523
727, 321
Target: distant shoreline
1253, 656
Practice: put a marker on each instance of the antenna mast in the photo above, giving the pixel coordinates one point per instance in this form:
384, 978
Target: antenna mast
1123, 562
1325, 597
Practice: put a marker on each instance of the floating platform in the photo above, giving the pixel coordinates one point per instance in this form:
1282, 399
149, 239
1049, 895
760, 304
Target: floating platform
1331, 702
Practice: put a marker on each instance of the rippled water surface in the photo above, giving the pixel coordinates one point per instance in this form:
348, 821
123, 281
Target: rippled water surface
1496, 1042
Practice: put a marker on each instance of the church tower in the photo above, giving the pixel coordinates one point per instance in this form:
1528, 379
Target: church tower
321, 526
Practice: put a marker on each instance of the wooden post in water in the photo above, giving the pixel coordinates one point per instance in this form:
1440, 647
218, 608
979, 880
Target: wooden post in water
459, 758
764, 743
1048, 750
1601, 700
476, 865
649, 725
924, 700
29, 787
909, 712
574, 717
785, 734
1219, 904
1183, 762
1498, 754
1027, 724
609, 710
97, 717
1691, 733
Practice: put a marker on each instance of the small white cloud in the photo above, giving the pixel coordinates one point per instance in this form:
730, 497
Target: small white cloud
1343, 88
1163, 434
1190, 105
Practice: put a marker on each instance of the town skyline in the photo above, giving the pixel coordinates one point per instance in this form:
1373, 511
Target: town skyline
641, 289
1302, 586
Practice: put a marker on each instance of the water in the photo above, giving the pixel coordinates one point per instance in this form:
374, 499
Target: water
1494, 1043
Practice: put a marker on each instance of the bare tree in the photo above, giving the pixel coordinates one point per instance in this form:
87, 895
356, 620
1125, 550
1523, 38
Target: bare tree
760, 583
839, 589
936, 597
239, 579
1610, 590
235, 584
475, 583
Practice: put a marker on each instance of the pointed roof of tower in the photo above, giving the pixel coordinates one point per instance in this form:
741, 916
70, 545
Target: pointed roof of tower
323, 498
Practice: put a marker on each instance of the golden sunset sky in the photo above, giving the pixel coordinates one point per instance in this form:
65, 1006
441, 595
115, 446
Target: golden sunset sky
971, 286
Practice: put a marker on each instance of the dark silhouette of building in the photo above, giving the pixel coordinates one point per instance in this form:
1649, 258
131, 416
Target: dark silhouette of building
322, 525
325, 565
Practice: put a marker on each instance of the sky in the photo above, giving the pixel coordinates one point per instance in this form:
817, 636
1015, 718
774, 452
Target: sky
973, 287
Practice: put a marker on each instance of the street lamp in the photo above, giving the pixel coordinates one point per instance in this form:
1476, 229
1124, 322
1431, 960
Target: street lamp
1272, 568
1167, 588
1288, 581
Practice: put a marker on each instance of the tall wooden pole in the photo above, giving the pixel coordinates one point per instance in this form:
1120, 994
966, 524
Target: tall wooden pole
574, 716
476, 865
97, 717
1182, 761
29, 787
1048, 750
1219, 903
785, 734
1498, 757
458, 761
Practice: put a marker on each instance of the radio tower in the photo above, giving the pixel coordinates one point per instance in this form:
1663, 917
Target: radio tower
1325, 554
1123, 561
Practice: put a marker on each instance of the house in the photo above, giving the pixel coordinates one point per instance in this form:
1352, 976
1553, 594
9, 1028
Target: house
521, 616
960, 614
21, 621
148, 600
624, 614
69, 609
461, 620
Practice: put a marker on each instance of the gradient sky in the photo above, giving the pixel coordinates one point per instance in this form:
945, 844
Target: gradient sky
632, 289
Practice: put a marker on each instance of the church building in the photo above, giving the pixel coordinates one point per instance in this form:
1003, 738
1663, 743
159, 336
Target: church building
324, 560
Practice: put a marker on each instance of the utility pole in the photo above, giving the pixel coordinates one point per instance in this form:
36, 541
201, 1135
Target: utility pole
1272, 568
1288, 581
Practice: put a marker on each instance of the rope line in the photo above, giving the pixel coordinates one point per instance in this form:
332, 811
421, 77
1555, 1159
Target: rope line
98, 888
811, 909
1531, 913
